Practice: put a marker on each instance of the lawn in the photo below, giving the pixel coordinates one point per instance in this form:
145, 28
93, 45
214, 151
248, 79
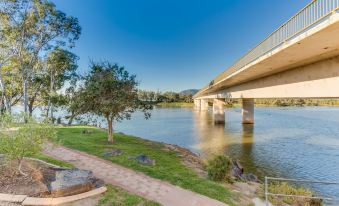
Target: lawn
168, 164
118, 196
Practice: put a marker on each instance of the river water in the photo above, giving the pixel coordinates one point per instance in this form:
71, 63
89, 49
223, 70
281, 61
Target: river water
289, 142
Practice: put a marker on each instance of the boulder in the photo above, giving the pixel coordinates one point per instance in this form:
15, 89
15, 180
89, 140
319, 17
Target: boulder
236, 169
143, 159
113, 152
72, 181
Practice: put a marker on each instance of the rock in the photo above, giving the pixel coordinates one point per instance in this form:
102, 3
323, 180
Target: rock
251, 177
86, 131
237, 170
72, 181
143, 159
113, 152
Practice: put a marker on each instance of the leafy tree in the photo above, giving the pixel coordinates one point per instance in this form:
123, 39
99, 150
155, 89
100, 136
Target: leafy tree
110, 91
23, 141
61, 67
32, 27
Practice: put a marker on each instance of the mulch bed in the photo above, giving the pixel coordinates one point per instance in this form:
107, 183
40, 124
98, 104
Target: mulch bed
34, 184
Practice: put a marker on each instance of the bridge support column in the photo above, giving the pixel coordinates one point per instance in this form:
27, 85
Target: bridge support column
197, 104
219, 111
203, 104
248, 111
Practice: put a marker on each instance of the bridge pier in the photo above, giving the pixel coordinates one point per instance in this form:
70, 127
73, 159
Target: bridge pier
197, 104
219, 111
248, 111
203, 104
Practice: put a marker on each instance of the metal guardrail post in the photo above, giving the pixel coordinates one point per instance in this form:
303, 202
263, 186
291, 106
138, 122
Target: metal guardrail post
266, 190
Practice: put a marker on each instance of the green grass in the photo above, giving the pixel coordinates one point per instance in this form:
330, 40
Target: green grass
53, 161
168, 164
117, 196
175, 104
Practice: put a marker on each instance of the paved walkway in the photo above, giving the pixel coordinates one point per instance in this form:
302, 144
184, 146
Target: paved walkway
134, 182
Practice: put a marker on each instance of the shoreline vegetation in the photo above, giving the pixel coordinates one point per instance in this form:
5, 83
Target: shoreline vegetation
173, 164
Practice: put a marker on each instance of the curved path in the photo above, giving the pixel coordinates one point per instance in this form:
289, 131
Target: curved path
134, 182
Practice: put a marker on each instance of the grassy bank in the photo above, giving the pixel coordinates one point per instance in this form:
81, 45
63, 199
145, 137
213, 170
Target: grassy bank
168, 165
118, 196
174, 104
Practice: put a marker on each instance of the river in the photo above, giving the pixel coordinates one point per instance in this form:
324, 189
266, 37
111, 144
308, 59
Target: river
289, 142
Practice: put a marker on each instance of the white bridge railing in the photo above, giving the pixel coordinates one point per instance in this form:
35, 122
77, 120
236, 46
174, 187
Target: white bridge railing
328, 200
310, 15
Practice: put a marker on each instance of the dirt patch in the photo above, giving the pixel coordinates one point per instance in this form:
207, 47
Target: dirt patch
11, 182
189, 159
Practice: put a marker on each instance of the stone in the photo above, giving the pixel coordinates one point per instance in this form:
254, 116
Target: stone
237, 170
113, 152
72, 181
86, 131
143, 159
251, 177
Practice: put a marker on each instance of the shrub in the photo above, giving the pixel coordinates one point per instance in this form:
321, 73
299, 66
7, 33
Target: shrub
218, 168
25, 140
287, 189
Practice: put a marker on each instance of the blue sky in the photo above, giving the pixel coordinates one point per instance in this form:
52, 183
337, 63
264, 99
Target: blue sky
174, 44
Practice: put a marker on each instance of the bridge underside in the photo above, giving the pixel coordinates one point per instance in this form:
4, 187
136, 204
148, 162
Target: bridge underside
305, 66
316, 80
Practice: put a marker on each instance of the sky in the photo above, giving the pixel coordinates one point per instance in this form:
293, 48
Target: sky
173, 45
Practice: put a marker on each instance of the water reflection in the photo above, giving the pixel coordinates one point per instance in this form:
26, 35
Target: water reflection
210, 137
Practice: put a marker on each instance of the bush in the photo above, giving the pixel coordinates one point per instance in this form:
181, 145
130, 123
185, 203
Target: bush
287, 189
218, 168
24, 140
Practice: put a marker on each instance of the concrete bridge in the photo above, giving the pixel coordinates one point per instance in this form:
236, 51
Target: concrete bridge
298, 60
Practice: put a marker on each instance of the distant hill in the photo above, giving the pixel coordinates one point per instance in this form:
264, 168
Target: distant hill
189, 91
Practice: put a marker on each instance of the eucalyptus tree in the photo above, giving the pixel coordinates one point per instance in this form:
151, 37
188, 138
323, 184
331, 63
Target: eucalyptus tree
32, 28
110, 91
61, 67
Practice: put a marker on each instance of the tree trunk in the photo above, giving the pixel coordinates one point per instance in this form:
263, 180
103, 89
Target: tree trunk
20, 161
25, 92
7, 103
110, 130
31, 106
70, 121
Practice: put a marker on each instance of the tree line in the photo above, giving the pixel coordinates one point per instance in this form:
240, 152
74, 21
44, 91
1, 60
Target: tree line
168, 96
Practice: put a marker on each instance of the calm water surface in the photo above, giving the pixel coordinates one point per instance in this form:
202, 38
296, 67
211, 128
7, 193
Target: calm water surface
294, 142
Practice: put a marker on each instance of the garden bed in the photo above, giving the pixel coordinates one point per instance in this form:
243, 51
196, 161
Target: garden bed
44, 180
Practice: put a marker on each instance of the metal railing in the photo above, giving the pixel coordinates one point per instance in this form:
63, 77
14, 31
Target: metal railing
267, 193
310, 15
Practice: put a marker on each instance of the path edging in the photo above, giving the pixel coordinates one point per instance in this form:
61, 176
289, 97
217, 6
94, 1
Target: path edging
34, 201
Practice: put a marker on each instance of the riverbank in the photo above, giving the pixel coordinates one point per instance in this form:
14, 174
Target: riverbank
169, 163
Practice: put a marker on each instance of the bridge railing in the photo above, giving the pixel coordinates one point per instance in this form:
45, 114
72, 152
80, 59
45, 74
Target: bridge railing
310, 15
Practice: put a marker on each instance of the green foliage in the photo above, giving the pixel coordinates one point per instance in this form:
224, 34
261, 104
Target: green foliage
110, 91
25, 140
168, 165
118, 196
287, 189
218, 168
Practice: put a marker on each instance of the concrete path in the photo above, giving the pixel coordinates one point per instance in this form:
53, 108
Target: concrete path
134, 182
